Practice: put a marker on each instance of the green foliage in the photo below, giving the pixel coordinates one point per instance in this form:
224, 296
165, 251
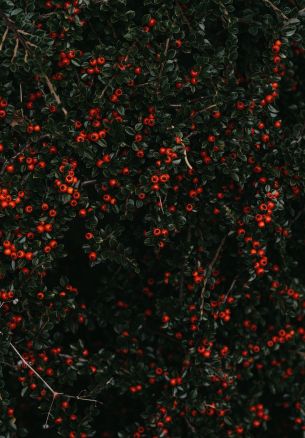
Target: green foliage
152, 218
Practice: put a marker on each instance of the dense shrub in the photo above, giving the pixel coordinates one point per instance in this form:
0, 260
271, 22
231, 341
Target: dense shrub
152, 175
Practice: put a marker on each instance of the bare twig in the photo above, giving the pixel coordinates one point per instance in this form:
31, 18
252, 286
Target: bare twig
186, 160
161, 204
46, 424
208, 273
276, 9
15, 50
28, 42
230, 288
105, 89
32, 369
78, 397
43, 16
12, 26
55, 394
56, 96
88, 183
3, 38
207, 108
144, 84
26, 33
20, 93
21, 98
176, 105
186, 157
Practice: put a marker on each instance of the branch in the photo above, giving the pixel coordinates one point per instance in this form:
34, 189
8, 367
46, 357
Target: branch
230, 288
53, 392
33, 370
53, 92
46, 424
3, 38
12, 26
43, 16
209, 271
15, 50
161, 204
276, 9
89, 182
207, 108
180, 105
105, 88
185, 157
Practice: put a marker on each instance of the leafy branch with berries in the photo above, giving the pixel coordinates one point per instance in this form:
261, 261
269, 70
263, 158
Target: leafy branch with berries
152, 191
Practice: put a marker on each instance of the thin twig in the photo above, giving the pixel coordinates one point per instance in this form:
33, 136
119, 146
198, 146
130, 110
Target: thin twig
186, 157
29, 43
32, 369
89, 182
208, 273
180, 105
12, 26
53, 92
21, 98
18, 36
207, 108
77, 397
3, 38
230, 288
276, 9
105, 88
46, 424
161, 204
43, 16
15, 50
144, 84
55, 394
25, 33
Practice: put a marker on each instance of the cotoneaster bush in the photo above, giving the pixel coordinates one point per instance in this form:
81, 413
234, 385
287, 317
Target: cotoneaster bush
152, 175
